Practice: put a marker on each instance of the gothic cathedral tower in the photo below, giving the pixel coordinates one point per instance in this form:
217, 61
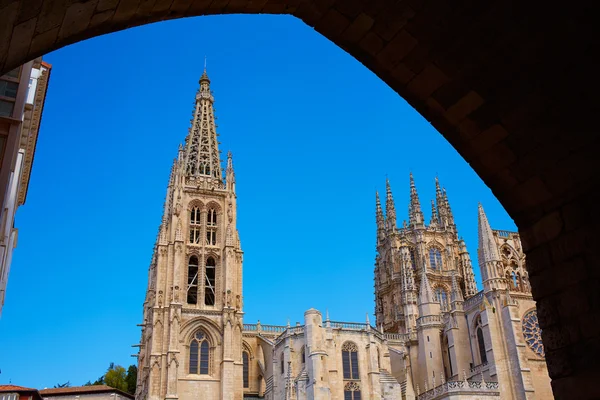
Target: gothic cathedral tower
191, 345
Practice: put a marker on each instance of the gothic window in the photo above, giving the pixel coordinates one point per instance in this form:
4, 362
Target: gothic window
515, 281
282, 364
350, 360
211, 218
195, 227
442, 297
200, 354
435, 258
533, 333
351, 391
245, 360
192, 290
413, 259
481, 341
378, 358
303, 356
209, 284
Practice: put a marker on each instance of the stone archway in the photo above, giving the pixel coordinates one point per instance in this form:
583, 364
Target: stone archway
510, 85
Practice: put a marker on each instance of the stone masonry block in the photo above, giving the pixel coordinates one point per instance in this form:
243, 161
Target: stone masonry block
427, 82
396, 50
358, 28
463, 107
77, 18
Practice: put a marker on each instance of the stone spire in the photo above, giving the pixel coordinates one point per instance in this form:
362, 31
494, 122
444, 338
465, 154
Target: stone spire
425, 291
229, 173
434, 215
489, 258
448, 209
390, 208
415, 215
441, 204
456, 295
488, 251
201, 154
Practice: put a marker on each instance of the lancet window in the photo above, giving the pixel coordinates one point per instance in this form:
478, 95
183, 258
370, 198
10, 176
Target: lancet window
195, 225
246, 362
200, 354
192, 289
211, 217
352, 391
442, 297
480, 341
435, 258
209, 282
413, 259
350, 360
282, 362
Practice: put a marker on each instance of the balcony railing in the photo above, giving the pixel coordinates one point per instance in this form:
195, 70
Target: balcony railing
476, 298
355, 326
474, 387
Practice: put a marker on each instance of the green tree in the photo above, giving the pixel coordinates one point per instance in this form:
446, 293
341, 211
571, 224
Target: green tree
131, 378
115, 377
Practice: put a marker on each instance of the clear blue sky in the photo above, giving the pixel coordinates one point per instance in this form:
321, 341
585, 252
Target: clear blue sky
313, 134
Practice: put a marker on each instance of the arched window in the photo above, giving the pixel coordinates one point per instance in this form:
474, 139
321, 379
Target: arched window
351, 391
195, 226
481, 341
282, 364
246, 361
413, 259
350, 360
435, 258
211, 217
200, 354
209, 282
515, 281
303, 356
192, 289
378, 359
442, 297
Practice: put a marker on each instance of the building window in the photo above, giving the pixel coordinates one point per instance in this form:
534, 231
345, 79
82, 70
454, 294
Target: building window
211, 218
192, 291
200, 354
350, 360
351, 391
442, 297
303, 356
8, 89
209, 284
211, 237
246, 362
378, 359
413, 259
282, 364
6, 108
195, 226
435, 258
9, 396
481, 341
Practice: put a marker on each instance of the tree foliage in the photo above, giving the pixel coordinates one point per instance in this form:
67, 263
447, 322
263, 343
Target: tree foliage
118, 378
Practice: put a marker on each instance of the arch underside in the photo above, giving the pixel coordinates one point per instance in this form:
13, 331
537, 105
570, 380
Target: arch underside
511, 85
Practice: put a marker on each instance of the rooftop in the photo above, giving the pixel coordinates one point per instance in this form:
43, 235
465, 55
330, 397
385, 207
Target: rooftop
82, 390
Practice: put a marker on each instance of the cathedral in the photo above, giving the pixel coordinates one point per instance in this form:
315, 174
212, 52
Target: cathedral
436, 336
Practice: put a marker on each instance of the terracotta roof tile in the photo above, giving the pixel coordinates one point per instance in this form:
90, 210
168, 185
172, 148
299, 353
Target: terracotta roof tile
82, 389
14, 388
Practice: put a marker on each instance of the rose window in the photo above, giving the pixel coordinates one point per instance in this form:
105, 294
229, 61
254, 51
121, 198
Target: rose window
533, 333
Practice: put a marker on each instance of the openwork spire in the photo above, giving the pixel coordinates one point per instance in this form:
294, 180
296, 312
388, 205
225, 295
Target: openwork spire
434, 216
425, 291
488, 250
456, 295
201, 145
415, 215
378, 211
390, 208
